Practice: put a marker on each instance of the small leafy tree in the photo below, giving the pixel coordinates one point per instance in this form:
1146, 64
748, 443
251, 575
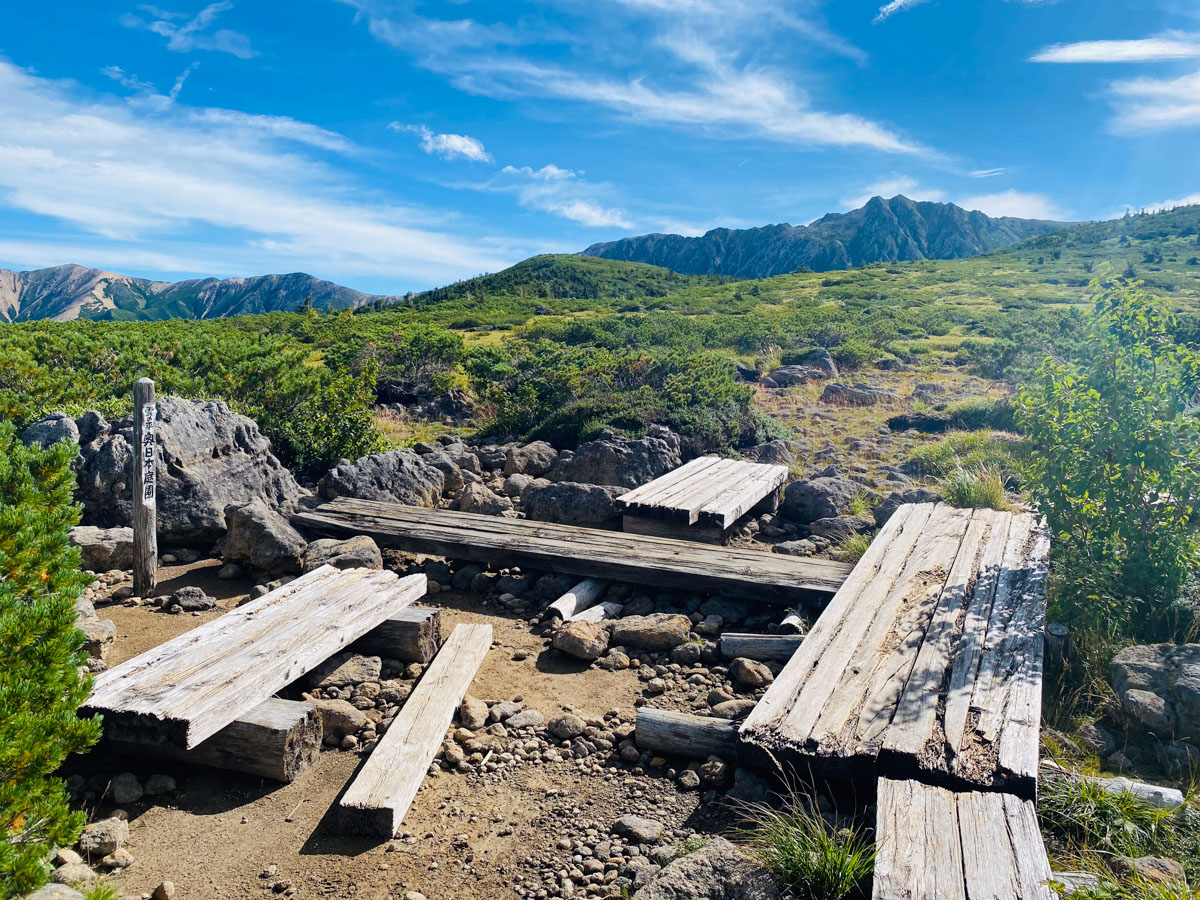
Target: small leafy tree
40, 651
1115, 464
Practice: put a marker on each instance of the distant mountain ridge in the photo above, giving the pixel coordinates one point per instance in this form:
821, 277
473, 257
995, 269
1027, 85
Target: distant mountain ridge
72, 292
895, 230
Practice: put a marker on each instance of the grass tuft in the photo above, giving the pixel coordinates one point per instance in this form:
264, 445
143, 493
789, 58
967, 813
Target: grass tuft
101, 892
811, 857
851, 549
981, 488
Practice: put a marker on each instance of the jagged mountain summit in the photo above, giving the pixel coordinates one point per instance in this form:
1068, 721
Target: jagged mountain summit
73, 292
892, 230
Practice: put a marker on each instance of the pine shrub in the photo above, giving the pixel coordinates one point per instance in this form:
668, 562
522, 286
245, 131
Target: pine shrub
40, 684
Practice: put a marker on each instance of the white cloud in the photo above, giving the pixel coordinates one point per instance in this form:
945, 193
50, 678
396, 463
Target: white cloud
1141, 50
144, 93
561, 192
121, 174
890, 187
194, 34
890, 9
1016, 203
1152, 104
447, 146
987, 173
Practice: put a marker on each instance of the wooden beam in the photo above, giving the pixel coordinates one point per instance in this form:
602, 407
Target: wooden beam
192, 686
680, 734
383, 790
605, 609
587, 552
587, 593
278, 739
413, 634
763, 647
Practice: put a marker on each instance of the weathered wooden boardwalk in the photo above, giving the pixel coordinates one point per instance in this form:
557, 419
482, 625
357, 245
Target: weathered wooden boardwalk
937, 844
702, 499
927, 663
192, 686
587, 552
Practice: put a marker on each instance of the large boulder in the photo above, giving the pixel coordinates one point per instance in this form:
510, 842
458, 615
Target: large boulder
399, 476
260, 537
818, 498
358, 552
208, 458
50, 430
534, 459
568, 503
478, 499
659, 631
717, 871
618, 461
1159, 688
857, 395
103, 549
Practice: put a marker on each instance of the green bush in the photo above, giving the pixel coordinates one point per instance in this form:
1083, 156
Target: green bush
1115, 464
40, 684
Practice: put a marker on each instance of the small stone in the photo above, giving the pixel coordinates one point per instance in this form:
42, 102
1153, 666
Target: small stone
74, 874
164, 891
473, 713
413, 895
104, 837
638, 829
159, 784
1156, 868
55, 892
750, 673
583, 640
527, 718
118, 859
230, 571
349, 742
566, 727
688, 780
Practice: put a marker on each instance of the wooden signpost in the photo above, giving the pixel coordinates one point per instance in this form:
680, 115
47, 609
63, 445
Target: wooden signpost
145, 483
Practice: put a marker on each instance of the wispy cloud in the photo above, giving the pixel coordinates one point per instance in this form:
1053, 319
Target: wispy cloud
561, 192
185, 34
890, 9
890, 187
987, 173
145, 93
447, 146
112, 174
1016, 203
1141, 50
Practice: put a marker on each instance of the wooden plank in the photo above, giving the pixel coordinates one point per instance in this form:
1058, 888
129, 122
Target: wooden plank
708, 491
730, 505
383, 790
763, 647
586, 552
192, 686
605, 609
681, 734
278, 739
646, 493
674, 531
587, 593
413, 634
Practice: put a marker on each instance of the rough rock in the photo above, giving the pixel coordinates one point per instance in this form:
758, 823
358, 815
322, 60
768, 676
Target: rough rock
618, 461
260, 537
55, 892
104, 549
340, 717
1156, 868
74, 874
358, 552
345, 669
838, 528
717, 871
1159, 687
789, 375
452, 473
639, 830
894, 501
190, 598
478, 499
734, 709
398, 476
526, 718
583, 640
50, 430
659, 631
103, 837
838, 394
566, 726
534, 459
819, 498
570, 503
473, 713
750, 673
125, 788
99, 634
208, 458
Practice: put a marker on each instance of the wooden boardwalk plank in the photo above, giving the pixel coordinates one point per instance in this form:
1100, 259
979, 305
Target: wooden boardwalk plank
383, 790
586, 552
933, 843
192, 686
927, 663
708, 491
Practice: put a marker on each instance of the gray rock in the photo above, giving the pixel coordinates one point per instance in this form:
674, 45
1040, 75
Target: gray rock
688, 780
621, 462
103, 837
639, 830
50, 430
857, 395
748, 788
399, 476
208, 458
1097, 739
750, 673
74, 874
566, 726
103, 549
1159, 687
838, 528
453, 479
894, 501
190, 599
260, 537
159, 784
787, 376
55, 892
733, 709
517, 485
660, 631
802, 547
583, 640
125, 788
358, 552
1159, 869
526, 718
478, 499
819, 498
717, 871
345, 669
571, 503
99, 634
534, 459
339, 717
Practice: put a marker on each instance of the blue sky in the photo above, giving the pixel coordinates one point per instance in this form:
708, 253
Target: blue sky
396, 144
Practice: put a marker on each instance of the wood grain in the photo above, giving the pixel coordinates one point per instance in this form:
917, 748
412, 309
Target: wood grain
709, 492
681, 734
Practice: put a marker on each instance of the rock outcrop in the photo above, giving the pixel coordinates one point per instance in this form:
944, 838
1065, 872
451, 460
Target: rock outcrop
621, 462
398, 476
1158, 686
568, 503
